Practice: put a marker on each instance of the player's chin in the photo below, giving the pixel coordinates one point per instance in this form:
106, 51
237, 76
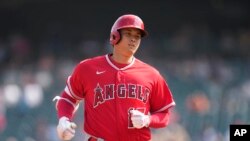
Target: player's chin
131, 52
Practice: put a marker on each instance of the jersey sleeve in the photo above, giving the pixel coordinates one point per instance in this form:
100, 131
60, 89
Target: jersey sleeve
161, 99
74, 83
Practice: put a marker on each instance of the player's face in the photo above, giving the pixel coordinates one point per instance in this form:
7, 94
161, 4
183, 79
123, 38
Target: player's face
130, 41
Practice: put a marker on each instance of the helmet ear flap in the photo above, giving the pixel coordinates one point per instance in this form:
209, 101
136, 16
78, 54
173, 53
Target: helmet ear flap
115, 37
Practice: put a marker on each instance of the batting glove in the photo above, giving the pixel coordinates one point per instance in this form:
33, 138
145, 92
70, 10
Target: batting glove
65, 129
139, 120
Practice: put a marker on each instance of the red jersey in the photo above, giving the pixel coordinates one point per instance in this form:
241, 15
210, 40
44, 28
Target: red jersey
110, 92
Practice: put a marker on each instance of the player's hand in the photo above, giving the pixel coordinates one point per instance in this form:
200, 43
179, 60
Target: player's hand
139, 120
65, 129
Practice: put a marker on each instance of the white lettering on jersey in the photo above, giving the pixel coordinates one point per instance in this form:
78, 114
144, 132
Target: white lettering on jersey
123, 91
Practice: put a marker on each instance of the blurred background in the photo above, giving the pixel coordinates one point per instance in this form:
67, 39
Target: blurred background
202, 48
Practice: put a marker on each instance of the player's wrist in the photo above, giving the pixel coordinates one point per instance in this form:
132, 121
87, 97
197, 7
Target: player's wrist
63, 118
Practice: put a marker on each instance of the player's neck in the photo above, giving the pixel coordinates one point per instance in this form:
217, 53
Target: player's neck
122, 59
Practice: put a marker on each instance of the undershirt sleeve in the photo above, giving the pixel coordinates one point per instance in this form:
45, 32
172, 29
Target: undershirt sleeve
159, 120
66, 106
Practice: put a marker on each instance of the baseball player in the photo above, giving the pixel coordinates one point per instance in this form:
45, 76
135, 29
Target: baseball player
123, 96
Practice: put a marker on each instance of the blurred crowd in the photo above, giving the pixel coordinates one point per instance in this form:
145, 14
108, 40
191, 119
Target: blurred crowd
207, 72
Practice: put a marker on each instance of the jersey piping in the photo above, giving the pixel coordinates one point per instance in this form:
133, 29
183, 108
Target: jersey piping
165, 107
71, 91
115, 67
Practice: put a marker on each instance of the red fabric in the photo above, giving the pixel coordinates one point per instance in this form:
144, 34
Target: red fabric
92, 139
159, 120
110, 91
64, 107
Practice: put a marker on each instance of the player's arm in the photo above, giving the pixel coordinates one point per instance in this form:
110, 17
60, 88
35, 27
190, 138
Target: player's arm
161, 102
66, 106
156, 120
67, 103
159, 120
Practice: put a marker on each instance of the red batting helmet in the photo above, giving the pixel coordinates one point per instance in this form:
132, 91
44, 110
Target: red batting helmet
126, 21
